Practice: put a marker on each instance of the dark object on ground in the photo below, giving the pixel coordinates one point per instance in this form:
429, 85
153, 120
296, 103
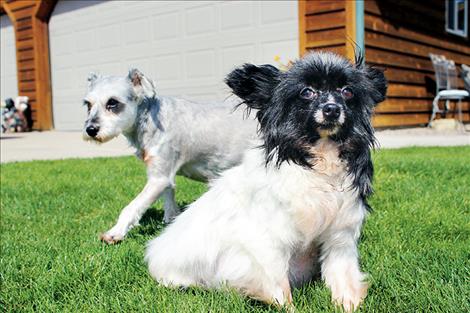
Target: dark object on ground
16, 115
9, 103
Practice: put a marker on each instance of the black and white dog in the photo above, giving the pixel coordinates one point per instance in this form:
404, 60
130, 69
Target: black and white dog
297, 202
171, 135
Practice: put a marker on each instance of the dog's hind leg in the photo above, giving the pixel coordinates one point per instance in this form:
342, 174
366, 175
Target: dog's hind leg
169, 205
266, 289
263, 277
132, 213
170, 261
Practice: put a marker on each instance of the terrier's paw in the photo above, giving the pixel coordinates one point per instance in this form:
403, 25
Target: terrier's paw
169, 217
110, 238
167, 220
351, 298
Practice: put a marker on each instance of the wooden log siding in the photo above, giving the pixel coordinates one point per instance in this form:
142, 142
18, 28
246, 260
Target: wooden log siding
322, 26
399, 35
30, 19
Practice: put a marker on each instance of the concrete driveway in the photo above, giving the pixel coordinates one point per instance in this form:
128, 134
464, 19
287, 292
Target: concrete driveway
421, 137
52, 145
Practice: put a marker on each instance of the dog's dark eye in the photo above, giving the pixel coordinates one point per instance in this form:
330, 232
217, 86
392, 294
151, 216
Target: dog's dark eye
112, 104
87, 104
347, 93
308, 93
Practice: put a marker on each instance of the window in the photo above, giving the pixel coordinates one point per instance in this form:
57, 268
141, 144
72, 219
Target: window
457, 17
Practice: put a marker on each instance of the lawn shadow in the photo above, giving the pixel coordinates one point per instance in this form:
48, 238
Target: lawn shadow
152, 223
184, 205
10, 137
228, 293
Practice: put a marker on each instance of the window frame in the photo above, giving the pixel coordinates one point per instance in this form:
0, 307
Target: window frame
454, 30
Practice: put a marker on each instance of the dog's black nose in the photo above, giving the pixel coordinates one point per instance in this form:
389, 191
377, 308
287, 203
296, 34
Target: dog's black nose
92, 131
331, 111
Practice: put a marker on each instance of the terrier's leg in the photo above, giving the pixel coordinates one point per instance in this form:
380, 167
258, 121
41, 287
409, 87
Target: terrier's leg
132, 213
340, 268
169, 205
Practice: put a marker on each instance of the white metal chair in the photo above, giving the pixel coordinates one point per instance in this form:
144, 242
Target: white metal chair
446, 86
465, 73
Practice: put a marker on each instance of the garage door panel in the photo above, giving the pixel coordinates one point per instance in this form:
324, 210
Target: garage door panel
136, 31
85, 40
234, 56
200, 20
200, 64
81, 82
167, 25
230, 15
277, 11
144, 65
187, 47
109, 36
167, 68
74, 117
111, 68
9, 60
8, 73
279, 48
65, 79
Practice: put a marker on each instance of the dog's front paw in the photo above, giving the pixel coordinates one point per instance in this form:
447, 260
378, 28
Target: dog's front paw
168, 219
350, 297
170, 214
110, 238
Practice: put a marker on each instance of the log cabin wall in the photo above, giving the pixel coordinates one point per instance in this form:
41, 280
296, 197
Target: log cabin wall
399, 35
322, 26
30, 20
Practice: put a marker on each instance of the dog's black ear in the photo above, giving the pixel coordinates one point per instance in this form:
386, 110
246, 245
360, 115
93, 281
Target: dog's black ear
379, 83
254, 84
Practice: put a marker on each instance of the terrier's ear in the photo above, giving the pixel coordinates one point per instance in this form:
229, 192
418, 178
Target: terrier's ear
379, 84
142, 85
254, 84
92, 77
135, 76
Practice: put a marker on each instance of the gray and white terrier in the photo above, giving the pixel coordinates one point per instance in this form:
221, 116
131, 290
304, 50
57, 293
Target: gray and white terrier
172, 136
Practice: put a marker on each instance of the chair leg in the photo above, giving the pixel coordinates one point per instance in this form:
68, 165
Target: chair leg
446, 108
461, 125
435, 109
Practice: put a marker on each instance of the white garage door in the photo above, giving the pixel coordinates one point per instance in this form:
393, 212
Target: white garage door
186, 46
8, 79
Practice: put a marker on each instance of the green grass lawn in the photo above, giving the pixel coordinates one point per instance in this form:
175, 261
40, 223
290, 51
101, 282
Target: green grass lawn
415, 244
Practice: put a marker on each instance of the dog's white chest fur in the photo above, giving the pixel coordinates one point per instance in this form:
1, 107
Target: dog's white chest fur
314, 197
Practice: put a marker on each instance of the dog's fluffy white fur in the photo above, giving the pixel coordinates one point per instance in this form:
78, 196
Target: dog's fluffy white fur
294, 205
254, 221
